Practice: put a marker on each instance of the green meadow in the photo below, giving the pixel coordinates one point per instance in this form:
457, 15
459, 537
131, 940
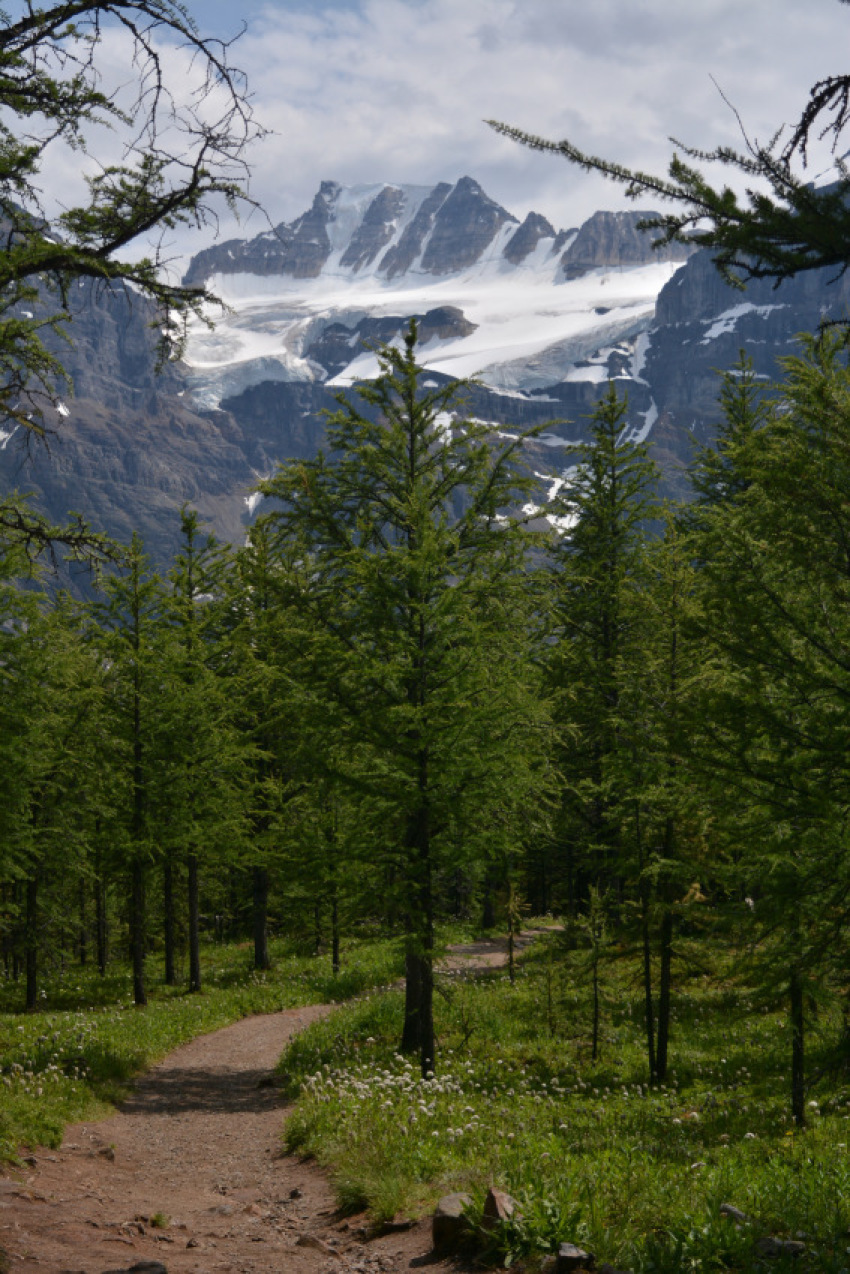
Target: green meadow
76, 1056
592, 1154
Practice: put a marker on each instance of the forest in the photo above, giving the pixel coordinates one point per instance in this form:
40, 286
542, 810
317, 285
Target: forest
406, 699
426, 701
411, 706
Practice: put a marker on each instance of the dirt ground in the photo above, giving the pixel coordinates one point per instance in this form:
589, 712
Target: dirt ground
198, 1143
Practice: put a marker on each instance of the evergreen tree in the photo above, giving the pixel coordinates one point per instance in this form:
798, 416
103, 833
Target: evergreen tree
602, 509
201, 759
51, 706
663, 849
130, 619
775, 582
414, 579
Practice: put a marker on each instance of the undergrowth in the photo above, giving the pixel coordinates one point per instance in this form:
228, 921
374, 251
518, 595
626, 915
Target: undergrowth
592, 1153
75, 1057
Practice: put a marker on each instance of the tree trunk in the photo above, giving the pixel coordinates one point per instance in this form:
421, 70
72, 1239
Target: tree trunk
317, 926
261, 918
100, 925
137, 931
194, 925
427, 1042
411, 1035
83, 937
100, 913
798, 1069
168, 921
595, 1038
647, 955
488, 908
427, 1047
18, 933
335, 931
31, 944
664, 996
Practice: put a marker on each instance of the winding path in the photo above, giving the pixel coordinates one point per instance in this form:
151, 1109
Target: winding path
198, 1143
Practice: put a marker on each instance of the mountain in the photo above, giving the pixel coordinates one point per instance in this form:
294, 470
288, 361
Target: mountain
541, 317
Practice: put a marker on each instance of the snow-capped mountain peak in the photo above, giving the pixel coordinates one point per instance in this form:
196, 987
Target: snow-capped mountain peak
529, 304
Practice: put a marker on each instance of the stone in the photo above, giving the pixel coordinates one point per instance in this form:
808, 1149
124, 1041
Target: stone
313, 1241
399, 258
571, 1257
465, 225
613, 238
398, 1225
140, 1267
498, 1208
734, 1214
450, 1225
772, 1248
375, 230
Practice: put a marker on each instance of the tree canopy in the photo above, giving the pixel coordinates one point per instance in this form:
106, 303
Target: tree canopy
181, 142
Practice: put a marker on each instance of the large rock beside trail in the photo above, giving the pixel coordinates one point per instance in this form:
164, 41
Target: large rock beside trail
141, 1267
450, 1224
571, 1257
498, 1207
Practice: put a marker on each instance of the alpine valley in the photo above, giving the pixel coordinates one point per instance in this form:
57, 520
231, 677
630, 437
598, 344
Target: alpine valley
541, 317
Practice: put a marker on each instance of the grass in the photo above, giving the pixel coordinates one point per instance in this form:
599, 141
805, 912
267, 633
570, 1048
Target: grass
591, 1152
76, 1057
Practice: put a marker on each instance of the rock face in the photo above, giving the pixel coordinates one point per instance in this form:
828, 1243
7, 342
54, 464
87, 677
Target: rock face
402, 255
299, 249
466, 224
524, 240
443, 230
334, 349
375, 230
613, 239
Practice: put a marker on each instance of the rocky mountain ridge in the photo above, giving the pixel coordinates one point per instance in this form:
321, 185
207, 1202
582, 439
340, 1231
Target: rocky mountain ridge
543, 318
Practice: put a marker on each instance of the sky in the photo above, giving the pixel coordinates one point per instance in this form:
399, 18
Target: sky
363, 91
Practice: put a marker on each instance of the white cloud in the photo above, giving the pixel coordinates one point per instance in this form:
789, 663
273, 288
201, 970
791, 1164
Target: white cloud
388, 90
373, 90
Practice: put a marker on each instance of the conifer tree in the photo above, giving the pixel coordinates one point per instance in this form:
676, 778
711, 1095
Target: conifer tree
130, 620
200, 757
602, 508
414, 578
660, 793
774, 577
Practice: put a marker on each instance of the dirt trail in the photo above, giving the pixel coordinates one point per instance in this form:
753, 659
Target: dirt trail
198, 1142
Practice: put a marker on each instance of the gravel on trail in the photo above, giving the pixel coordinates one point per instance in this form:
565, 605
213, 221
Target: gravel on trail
189, 1173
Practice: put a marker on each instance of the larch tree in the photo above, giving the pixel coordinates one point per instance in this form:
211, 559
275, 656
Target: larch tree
414, 577
775, 579
602, 507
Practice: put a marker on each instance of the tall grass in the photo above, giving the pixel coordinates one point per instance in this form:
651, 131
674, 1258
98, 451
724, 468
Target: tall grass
75, 1058
592, 1153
